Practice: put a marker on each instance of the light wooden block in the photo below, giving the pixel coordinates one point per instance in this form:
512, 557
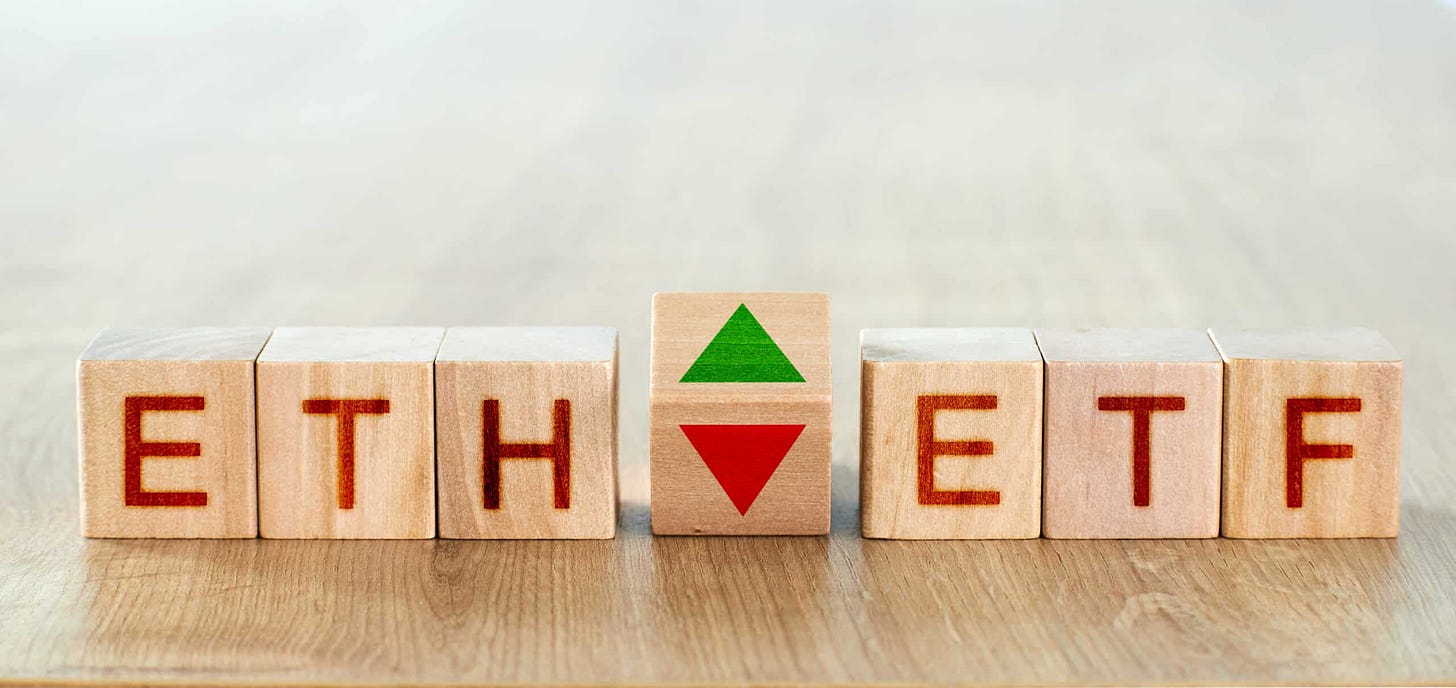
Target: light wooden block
1311, 434
687, 497
544, 401
741, 407
950, 433
1133, 432
346, 432
684, 323
166, 433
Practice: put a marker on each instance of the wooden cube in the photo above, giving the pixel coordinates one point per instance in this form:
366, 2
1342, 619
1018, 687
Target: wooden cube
1311, 434
741, 406
526, 421
166, 432
346, 432
950, 433
1133, 433
758, 466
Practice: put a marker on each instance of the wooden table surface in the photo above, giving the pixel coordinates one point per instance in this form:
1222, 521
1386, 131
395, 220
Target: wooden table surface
1129, 163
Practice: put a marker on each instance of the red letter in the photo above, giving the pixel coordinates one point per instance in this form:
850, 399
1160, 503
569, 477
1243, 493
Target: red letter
559, 451
137, 449
927, 448
1142, 445
1296, 451
346, 409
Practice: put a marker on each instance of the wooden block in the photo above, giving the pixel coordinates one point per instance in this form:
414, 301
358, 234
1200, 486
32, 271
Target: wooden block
1311, 434
709, 344
166, 432
741, 407
1133, 429
543, 402
346, 432
950, 433
756, 467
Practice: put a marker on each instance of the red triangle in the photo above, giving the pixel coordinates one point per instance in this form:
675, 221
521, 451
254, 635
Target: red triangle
742, 457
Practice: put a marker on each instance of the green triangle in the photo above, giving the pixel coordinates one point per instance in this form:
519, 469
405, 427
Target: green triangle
742, 351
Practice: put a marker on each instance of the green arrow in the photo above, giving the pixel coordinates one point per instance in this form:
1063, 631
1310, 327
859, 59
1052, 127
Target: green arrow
742, 351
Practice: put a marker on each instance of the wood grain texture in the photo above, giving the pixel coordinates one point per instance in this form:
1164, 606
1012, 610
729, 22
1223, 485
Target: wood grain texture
1109, 391
346, 433
208, 491
527, 371
903, 365
687, 498
1127, 163
1349, 385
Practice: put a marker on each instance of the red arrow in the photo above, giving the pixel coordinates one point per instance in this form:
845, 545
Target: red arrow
742, 457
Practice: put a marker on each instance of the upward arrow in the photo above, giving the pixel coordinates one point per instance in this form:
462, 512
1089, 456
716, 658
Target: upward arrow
742, 351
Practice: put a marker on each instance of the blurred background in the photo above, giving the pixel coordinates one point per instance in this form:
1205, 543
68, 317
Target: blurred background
367, 161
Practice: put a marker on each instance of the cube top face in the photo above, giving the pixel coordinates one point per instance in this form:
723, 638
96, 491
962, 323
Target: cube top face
749, 343
951, 443
167, 433
177, 344
1352, 345
527, 448
948, 344
1108, 345
1312, 435
1133, 431
353, 345
529, 344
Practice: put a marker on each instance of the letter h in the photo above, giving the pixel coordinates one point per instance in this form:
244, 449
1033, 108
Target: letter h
558, 450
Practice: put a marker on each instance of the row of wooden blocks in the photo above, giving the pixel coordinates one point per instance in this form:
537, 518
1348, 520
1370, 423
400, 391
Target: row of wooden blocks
512, 432
348, 432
